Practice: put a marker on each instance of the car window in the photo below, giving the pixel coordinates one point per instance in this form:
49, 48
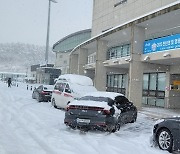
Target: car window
67, 88
39, 88
60, 86
121, 100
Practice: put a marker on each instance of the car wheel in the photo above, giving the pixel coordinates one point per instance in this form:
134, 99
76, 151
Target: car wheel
33, 96
39, 98
165, 139
116, 128
134, 118
53, 103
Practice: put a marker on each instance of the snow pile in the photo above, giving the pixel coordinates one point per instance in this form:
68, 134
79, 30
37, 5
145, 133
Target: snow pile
111, 95
78, 79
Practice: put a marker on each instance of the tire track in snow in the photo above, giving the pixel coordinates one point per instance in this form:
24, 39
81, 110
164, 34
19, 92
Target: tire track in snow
13, 110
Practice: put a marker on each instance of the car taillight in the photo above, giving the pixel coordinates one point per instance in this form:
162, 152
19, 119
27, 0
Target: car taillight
43, 92
106, 112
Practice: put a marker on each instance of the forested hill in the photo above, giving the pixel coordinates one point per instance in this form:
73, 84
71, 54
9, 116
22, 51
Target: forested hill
17, 57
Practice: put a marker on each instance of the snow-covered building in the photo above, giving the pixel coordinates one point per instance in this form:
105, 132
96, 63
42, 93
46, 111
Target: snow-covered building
63, 47
14, 76
134, 49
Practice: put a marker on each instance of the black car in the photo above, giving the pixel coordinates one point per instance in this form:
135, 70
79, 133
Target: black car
42, 93
166, 134
100, 110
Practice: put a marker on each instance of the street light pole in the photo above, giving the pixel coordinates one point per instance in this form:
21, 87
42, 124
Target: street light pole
48, 27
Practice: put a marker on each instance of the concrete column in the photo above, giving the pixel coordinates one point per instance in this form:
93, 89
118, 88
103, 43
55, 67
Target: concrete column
73, 64
82, 60
167, 90
136, 67
100, 70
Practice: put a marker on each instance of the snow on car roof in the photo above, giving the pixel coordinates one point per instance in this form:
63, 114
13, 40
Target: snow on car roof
111, 95
49, 87
78, 79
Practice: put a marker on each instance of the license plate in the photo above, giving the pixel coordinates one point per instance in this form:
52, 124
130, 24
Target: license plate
86, 121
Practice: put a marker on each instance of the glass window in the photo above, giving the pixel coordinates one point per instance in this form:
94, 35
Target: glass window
145, 81
120, 81
152, 101
119, 51
112, 81
161, 81
123, 81
160, 102
116, 81
153, 78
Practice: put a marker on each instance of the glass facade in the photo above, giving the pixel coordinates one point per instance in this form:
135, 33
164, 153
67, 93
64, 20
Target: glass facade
116, 83
72, 41
118, 51
154, 89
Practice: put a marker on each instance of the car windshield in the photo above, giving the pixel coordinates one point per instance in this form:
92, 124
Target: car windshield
98, 99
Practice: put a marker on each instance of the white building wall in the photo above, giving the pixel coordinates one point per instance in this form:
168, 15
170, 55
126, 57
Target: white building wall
106, 16
62, 61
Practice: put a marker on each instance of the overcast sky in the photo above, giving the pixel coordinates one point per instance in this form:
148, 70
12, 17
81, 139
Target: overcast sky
26, 20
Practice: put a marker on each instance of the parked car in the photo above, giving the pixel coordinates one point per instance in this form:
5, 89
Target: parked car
43, 93
100, 110
69, 87
166, 134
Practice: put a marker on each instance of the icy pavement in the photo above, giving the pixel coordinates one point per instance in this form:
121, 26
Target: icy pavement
29, 127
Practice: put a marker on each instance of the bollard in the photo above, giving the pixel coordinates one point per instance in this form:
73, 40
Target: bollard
27, 87
31, 87
17, 85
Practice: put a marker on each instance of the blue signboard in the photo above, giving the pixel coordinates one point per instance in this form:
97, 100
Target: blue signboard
162, 44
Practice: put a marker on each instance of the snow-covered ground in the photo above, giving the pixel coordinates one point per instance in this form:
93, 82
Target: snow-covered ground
29, 127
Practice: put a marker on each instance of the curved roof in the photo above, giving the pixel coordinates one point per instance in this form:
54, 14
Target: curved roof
70, 41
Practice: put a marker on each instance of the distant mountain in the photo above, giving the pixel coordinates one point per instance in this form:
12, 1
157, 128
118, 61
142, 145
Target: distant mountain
17, 57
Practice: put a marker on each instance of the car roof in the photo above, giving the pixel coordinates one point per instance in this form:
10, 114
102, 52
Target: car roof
74, 78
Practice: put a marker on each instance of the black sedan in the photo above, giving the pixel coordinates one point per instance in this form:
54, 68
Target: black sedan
42, 93
100, 110
166, 134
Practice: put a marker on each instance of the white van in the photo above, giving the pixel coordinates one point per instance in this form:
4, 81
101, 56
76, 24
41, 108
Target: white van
69, 87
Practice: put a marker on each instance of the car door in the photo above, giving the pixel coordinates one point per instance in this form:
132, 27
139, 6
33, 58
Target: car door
36, 92
122, 104
68, 97
58, 94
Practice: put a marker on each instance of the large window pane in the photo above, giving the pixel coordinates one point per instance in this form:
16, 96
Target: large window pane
161, 81
112, 80
153, 78
123, 81
116, 81
151, 101
145, 81
160, 102
120, 81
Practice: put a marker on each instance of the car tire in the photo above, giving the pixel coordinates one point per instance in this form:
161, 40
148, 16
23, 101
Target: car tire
39, 98
134, 118
116, 128
54, 103
165, 139
33, 96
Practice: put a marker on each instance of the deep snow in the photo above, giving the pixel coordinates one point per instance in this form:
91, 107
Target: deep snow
29, 127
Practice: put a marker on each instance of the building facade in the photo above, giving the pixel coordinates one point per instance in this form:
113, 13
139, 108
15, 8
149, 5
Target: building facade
63, 47
135, 50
